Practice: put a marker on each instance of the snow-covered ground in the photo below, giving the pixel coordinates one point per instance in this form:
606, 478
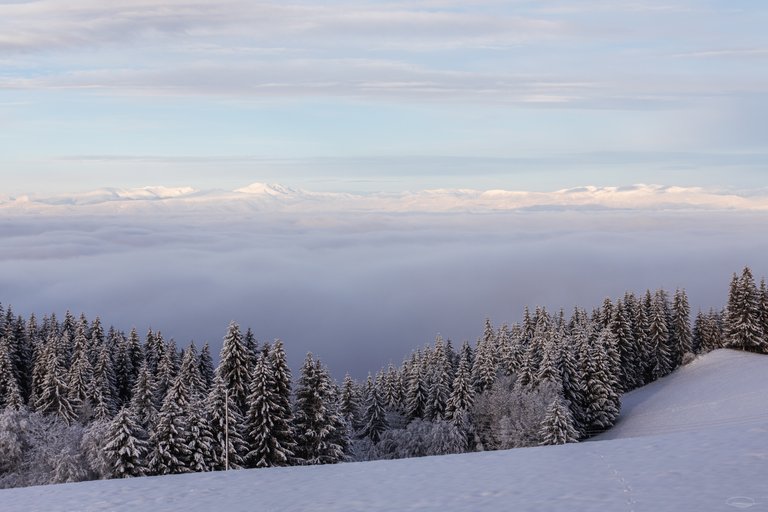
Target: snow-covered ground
694, 441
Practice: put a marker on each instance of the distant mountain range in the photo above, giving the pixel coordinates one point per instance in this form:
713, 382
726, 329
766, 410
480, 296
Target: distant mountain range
263, 196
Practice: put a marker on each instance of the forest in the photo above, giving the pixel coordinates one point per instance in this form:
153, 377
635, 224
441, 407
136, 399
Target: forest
80, 401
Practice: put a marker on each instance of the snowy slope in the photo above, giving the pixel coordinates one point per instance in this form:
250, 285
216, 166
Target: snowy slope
716, 458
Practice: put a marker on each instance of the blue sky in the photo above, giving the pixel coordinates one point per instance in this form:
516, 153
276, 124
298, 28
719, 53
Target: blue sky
382, 95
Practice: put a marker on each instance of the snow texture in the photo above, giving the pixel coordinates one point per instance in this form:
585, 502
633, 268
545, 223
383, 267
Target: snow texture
695, 440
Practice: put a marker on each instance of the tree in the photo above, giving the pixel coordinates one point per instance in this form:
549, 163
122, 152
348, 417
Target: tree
169, 442
143, 405
317, 425
744, 329
54, 393
227, 424
80, 376
658, 337
268, 434
602, 397
206, 367
350, 401
462, 393
416, 388
558, 427
200, 441
126, 447
440, 383
682, 341
374, 418
234, 366
484, 367
10, 392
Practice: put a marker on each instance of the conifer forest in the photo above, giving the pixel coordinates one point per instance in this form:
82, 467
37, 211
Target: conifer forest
83, 401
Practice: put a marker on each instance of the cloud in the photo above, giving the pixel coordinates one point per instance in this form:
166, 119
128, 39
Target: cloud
357, 288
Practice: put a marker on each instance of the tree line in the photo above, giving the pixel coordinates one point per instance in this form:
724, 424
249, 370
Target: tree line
81, 402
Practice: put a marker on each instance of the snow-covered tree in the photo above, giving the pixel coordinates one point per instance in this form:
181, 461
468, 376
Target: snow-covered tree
374, 422
318, 426
143, 404
558, 427
206, 368
126, 448
268, 433
744, 323
234, 366
349, 405
170, 439
485, 363
227, 425
54, 392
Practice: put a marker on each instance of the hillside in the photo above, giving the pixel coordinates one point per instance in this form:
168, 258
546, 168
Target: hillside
696, 440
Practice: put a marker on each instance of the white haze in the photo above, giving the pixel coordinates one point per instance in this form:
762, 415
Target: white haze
363, 280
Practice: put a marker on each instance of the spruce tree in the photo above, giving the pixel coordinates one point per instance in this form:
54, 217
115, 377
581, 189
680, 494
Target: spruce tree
462, 393
126, 448
603, 402
621, 329
200, 439
485, 364
227, 426
744, 329
268, 435
234, 366
683, 339
558, 427
10, 392
350, 402
440, 383
54, 393
80, 377
317, 425
170, 439
658, 336
374, 418
143, 399
103, 397
417, 392
206, 367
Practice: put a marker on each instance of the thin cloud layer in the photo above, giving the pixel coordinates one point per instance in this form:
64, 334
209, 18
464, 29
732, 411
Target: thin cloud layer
361, 288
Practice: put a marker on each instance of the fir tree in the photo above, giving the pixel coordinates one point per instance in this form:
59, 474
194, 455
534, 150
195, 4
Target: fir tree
558, 427
206, 367
200, 440
80, 376
103, 397
126, 448
417, 391
603, 403
621, 329
375, 418
169, 442
744, 329
234, 366
143, 405
350, 402
682, 339
658, 337
484, 367
317, 425
440, 383
227, 424
462, 393
269, 436
54, 393
10, 392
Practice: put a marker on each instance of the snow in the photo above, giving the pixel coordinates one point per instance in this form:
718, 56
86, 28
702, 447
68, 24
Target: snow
696, 440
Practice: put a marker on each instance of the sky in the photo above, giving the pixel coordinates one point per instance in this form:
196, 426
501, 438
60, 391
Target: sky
382, 95
431, 162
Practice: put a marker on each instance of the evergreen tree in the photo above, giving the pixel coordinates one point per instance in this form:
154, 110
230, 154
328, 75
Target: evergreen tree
744, 329
226, 424
463, 393
558, 427
600, 387
143, 405
658, 335
103, 398
125, 374
206, 367
573, 392
190, 371
10, 392
54, 393
269, 436
548, 367
440, 383
374, 419
484, 367
417, 392
200, 441
252, 348
683, 339
350, 402
234, 366
621, 329
170, 440
126, 448
80, 376
317, 425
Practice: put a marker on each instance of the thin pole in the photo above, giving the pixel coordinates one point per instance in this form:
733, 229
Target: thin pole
226, 429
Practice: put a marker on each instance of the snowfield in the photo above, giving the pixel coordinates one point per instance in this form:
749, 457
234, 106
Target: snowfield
696, 440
